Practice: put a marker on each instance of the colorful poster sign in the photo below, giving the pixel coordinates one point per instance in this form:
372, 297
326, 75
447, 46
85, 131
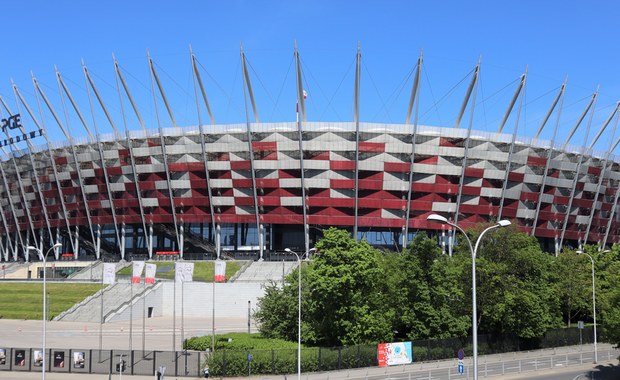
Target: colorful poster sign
220, 271
183, 272
59, 359
109, 273
78, 359
394, 353
137, 267
149, 274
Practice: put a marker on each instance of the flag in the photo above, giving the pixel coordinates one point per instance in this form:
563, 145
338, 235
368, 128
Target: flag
305, 94
149, 274
220, 271
183, 272
109, 273
138, 266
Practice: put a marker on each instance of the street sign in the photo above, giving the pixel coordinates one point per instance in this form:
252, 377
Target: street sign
461, 354
461, 367
249, 357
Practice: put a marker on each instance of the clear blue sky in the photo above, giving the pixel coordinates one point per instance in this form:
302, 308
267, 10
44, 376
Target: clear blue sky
554, 39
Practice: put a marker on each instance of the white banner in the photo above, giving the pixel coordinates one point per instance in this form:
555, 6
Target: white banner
149, 274
138, 266
220, 271
183, 272
109, 273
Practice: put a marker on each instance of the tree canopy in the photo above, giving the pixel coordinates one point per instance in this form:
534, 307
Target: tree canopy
353, 293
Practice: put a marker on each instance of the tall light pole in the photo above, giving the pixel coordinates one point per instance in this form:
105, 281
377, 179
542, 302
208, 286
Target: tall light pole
593, 304
298, 307
473, 249
44, 258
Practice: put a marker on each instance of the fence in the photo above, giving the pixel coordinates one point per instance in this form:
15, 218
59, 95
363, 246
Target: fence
137, 362
282, 361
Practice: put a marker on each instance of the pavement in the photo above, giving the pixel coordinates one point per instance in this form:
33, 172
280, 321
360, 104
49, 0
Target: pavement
158, 336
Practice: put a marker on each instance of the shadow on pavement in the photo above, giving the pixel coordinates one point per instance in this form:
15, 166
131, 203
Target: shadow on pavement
605, 372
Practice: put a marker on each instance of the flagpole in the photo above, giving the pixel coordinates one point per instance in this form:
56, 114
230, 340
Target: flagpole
101, 315
174, 309
182, 313
213, 313
131, 315
143, 314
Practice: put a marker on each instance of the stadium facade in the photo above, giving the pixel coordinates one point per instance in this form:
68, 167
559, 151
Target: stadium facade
257, 188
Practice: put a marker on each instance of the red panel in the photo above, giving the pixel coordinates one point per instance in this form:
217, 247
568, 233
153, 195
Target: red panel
268, 182
342, 184
401, 167
240, 165
342, 165
474, 172
242, 183
371, 147
471, 190
527, 196
60, 160
516, 177
536, 161
594, 171
114, 170
269, 201
244, 201
264, 146
369, 184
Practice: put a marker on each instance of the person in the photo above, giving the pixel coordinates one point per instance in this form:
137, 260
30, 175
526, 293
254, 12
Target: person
206, 371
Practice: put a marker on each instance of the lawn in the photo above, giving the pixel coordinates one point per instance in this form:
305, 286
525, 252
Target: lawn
203, 270
25, 300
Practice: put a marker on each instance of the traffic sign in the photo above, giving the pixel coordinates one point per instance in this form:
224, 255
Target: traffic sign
461, 354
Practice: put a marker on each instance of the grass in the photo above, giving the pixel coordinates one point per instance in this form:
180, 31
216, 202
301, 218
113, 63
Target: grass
203, 270
25, 301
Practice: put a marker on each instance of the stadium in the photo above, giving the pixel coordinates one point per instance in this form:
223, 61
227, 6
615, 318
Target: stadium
256, 188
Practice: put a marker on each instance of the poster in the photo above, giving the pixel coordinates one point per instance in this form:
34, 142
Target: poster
394, 353
59, 359
2, 356
137, 267
149, 275
38, 358
220, 271
78, 359
183, 272
20, 358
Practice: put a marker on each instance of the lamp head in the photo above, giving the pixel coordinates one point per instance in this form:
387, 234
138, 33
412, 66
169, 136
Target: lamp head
32, 248
57, 245
504, 223
288, 250
437, 219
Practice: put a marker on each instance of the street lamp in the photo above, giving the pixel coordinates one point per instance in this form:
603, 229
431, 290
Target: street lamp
288, 250
44, 258
593, 303
502, 223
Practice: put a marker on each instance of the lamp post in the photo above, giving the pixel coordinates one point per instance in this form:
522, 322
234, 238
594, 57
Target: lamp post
593, 304
288, 250
44, 258
473, 249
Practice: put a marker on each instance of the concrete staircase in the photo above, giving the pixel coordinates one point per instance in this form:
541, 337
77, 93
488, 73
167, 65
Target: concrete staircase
265, 271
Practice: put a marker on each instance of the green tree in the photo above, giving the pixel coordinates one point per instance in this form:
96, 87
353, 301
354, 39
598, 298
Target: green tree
572, 283
433, 304
347, 293
514, 290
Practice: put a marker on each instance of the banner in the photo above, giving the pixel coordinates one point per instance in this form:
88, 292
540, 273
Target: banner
149, 274
394, 354
220, 271
109, 273
183, 272
138, 266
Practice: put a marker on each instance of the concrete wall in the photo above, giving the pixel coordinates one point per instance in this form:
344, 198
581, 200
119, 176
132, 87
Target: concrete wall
196, 299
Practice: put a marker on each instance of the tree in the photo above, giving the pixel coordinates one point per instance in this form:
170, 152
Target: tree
572, 282
347, 292
433, 305
514, 290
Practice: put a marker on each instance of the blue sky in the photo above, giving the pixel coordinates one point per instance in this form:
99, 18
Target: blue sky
553, 39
